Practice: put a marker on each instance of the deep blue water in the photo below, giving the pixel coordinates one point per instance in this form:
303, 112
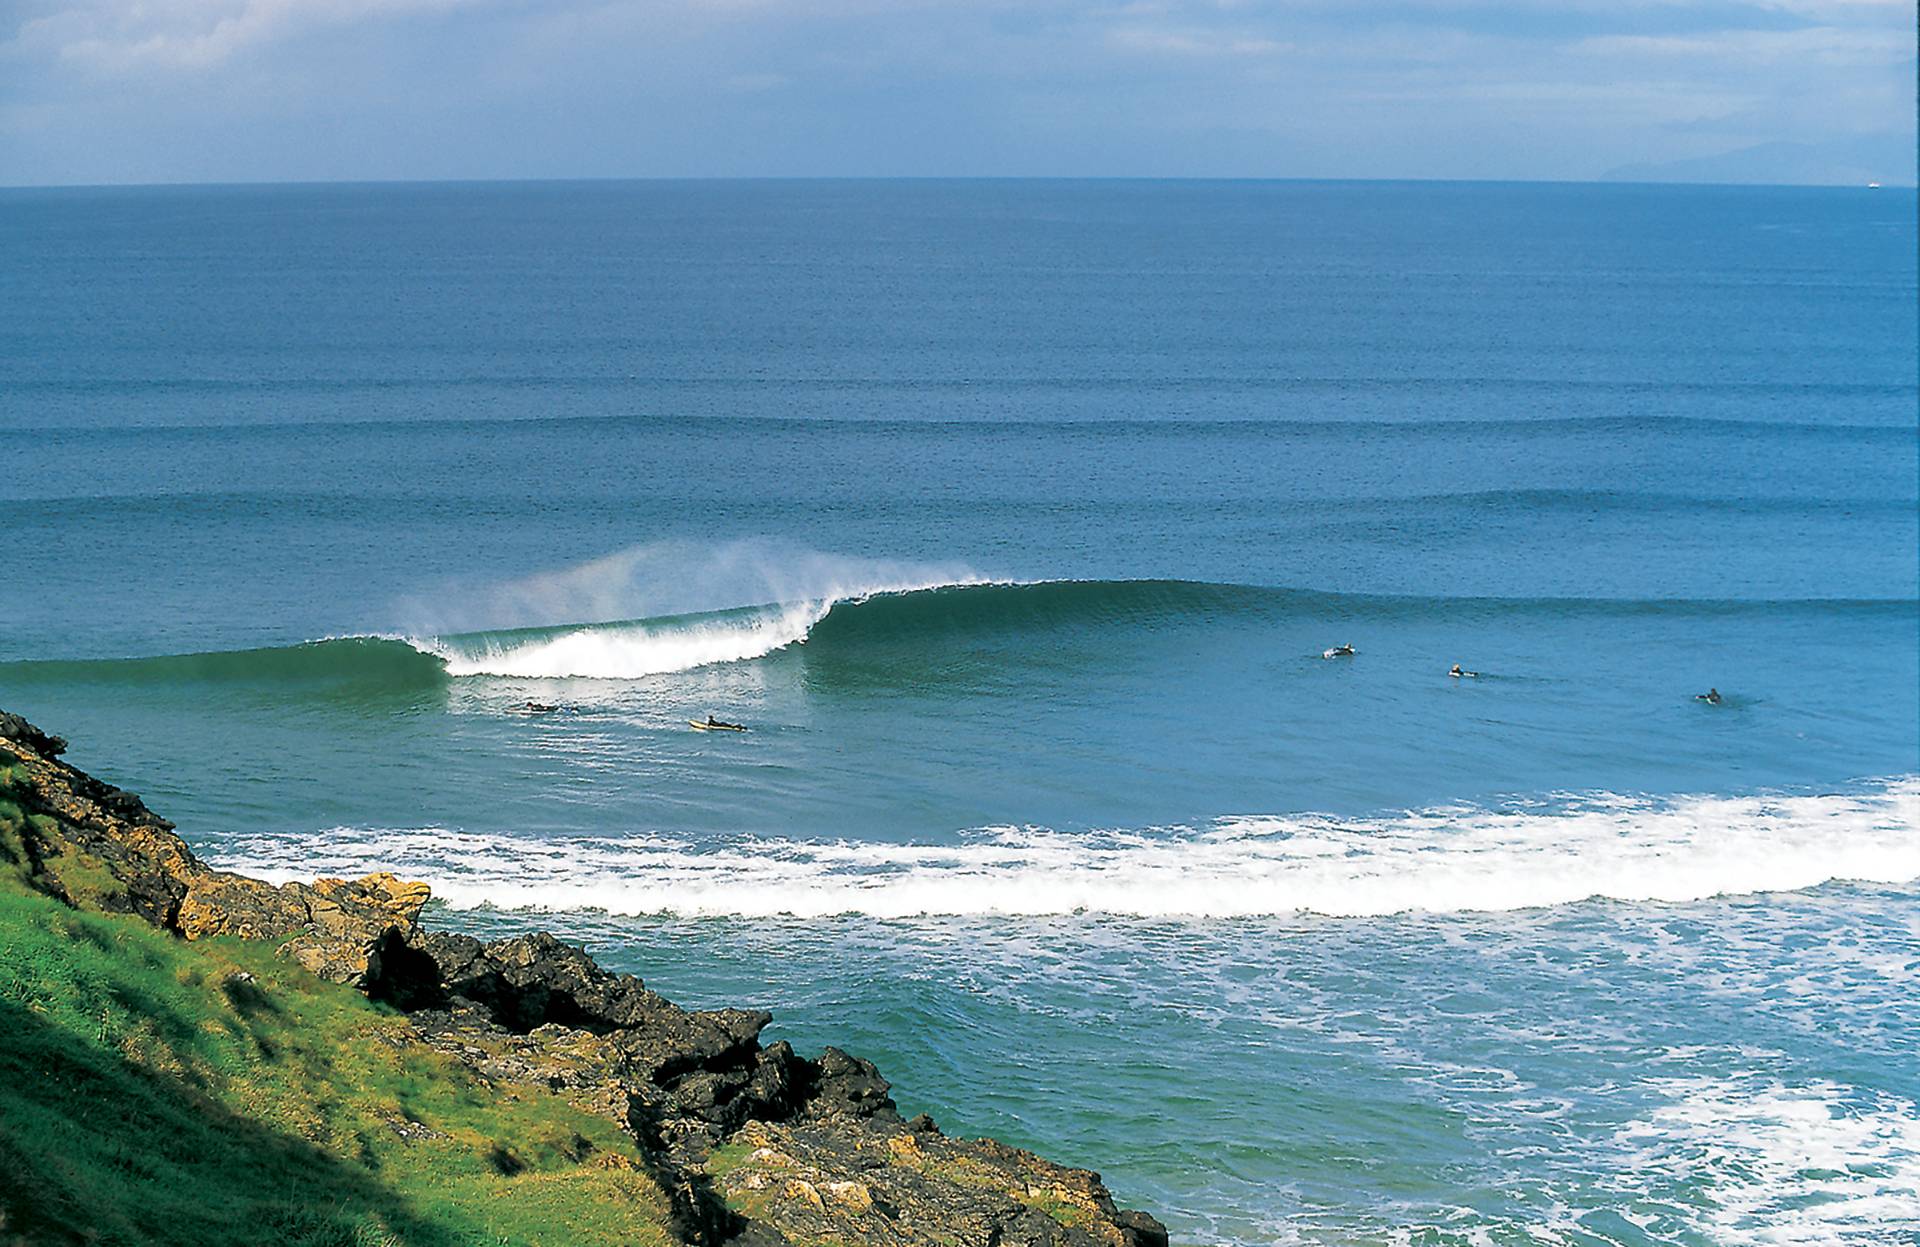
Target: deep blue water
1013, 518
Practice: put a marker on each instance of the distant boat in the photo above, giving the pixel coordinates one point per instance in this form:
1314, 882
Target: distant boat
1873, 186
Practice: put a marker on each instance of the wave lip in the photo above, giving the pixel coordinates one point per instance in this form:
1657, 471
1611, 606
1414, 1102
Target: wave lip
1439, 861
631, 651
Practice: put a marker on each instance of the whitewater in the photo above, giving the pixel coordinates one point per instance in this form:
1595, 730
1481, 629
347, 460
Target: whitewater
635, 649
1453, 860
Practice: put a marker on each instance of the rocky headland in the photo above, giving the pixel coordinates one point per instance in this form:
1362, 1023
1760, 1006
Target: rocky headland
749, 1143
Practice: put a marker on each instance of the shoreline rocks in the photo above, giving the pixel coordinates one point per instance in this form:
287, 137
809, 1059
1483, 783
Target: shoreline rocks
757, 1145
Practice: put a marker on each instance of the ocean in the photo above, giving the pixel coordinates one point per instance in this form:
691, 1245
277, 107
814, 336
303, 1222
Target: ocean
408, 526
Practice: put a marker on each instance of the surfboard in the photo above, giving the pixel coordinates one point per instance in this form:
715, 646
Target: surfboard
699, 726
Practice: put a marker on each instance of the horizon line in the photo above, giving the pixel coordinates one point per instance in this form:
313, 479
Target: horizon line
314, 183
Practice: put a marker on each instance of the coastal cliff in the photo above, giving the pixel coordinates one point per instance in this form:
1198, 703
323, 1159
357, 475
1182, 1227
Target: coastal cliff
336, 1072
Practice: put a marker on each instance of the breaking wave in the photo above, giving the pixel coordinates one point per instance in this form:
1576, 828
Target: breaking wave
891, 615
1439, 860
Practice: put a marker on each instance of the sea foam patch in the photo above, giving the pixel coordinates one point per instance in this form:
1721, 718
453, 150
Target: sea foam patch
1440, 860
1799, 1165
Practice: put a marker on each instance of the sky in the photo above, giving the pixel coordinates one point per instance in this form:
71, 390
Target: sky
130, 91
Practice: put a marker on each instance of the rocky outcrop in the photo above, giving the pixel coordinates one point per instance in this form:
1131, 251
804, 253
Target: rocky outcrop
755, 1143
99, 847
884, 1183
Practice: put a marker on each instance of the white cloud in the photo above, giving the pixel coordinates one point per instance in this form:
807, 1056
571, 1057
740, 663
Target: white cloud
118, 35
116, 90
1194, 42
1821, 45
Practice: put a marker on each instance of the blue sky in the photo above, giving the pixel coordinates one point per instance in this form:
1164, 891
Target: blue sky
96, 91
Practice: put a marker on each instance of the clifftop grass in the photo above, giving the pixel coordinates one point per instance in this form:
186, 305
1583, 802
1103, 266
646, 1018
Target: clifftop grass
154, 1091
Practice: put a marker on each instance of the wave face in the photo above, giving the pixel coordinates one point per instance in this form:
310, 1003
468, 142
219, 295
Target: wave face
874, 617
1441, 860
386, 662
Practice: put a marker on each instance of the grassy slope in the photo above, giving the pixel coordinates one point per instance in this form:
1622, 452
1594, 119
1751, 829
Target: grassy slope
152, 1093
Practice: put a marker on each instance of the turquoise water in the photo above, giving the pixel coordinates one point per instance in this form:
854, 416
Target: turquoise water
1014, 519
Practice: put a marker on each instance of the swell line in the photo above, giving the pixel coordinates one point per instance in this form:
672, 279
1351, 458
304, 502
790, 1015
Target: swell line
1063, 427
850, 624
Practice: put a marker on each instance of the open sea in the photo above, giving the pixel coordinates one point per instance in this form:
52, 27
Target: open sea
1013, 519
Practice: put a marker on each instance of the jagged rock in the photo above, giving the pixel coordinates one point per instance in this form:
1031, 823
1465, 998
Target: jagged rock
847, 1086
755, 1146
13, 727
95, 846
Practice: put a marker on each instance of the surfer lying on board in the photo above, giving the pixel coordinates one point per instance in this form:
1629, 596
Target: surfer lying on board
1338, 651
1459, 673
1711, 697
716, 725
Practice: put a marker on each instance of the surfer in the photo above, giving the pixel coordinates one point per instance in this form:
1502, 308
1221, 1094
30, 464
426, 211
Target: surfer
539, 707
1338, 651
716, 725
1711, 697
1459, 673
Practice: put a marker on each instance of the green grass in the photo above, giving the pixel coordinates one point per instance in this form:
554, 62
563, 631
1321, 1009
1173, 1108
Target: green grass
159, 1092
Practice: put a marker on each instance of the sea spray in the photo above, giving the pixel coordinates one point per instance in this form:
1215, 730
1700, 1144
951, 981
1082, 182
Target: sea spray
669, 578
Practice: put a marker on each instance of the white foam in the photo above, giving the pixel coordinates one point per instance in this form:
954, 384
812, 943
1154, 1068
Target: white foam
1442, 860
631, 651
1804, 1165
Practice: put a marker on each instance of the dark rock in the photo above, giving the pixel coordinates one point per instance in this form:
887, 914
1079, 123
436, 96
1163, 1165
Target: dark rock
1140, 1229
15, 728
847, 1086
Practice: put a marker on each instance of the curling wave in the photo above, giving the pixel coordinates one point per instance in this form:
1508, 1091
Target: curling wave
1439, 860
915, 615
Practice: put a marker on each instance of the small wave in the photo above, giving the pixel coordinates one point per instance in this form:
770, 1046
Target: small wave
1441, 860
1795, 425
1534, 502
